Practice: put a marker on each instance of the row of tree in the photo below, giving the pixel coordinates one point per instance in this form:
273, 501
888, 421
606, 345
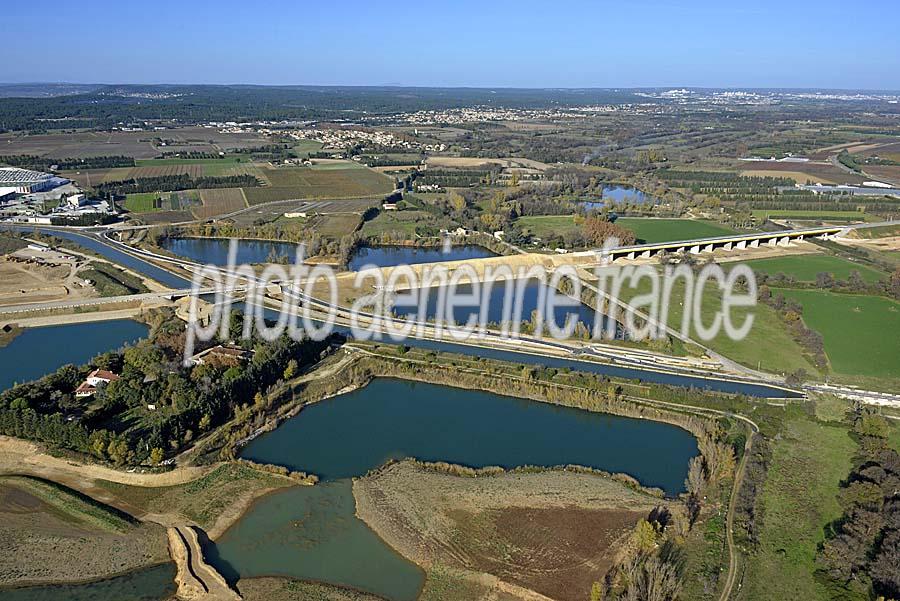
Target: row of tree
861, 555
173, 183
39, 163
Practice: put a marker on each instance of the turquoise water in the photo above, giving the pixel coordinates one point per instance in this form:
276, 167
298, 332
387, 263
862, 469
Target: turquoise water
39, 351
312, 532
151, 584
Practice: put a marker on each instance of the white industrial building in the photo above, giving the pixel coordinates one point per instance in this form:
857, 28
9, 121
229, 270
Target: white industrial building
26, 181
7, 193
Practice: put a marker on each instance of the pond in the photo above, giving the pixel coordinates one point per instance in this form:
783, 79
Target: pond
393, 419
388, 256
215, 250
36, 352
620, 194
312, 533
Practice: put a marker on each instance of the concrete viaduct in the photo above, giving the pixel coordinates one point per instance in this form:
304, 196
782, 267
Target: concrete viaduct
728, 243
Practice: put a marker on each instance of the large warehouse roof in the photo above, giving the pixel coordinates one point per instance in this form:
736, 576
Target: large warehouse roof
14, 175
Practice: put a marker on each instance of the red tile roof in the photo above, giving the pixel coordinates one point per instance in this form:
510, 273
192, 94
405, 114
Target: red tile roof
103, 375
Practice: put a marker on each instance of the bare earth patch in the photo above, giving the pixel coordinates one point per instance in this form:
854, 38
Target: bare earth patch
551, 533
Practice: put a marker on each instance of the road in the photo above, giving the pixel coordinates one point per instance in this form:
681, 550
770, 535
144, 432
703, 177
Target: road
496, 340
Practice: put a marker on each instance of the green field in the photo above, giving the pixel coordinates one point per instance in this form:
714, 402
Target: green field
768, 345
304, 147
860, 332
543, 226
799, 500
804, 268
669, 230
820, 215
402, 222
144, 202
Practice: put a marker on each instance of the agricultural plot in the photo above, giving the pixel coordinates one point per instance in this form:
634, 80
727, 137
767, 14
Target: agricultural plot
825, 173
154, 169
859, 331
219, 201
91, 177
798, 509
165, 217
886, 173
325, 164
668, 230
403, 222
797, 176
290, 183
763, 214
543, 226
335, 225
805, 268
148, 202
143, 202
304, 147
476, 162
137, 144
195, 167
774, 191
83, 144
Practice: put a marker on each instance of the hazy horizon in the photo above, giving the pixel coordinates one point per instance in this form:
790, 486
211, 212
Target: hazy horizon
448, 87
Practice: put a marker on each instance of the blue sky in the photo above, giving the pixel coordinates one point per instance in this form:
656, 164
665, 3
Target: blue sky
621, 43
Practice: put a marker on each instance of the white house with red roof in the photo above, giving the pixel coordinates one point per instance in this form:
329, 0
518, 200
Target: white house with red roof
95, 379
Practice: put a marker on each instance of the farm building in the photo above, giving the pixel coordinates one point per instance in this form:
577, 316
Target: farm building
95, 379
25, 181
222, 353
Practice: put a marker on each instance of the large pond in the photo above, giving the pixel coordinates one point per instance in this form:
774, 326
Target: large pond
393, 419
151, 584
388, 256
36, 352
215, 251
620, 194
312, 533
